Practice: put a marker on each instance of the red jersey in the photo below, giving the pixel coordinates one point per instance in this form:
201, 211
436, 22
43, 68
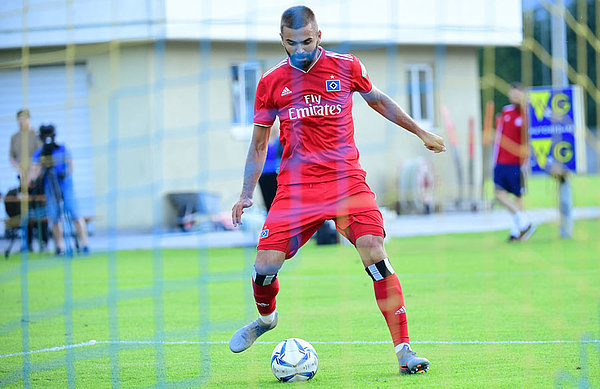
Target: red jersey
315, 114
509, 125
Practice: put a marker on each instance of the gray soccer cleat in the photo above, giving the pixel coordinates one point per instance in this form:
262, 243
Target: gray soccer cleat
527, 232
410, 363
245, 336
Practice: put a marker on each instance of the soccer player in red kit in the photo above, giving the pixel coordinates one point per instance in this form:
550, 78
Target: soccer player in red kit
320, 176
510, 151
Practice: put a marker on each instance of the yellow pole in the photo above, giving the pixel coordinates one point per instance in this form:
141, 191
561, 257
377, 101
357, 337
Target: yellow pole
487, 83
526, 55
582, 46
69, 68
489, 59
597, 6
24, 163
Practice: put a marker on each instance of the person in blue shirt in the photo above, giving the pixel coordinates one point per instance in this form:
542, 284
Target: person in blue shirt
53, 162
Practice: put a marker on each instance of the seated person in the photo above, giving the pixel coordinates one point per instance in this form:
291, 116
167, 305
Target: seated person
53, 162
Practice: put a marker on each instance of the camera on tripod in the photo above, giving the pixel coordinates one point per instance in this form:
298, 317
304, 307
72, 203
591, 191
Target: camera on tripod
47, 162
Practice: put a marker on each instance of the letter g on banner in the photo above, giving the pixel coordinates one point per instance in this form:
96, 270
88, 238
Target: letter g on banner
561, 105
563, 152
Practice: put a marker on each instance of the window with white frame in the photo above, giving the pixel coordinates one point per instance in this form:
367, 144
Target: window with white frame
244, 79
419, 78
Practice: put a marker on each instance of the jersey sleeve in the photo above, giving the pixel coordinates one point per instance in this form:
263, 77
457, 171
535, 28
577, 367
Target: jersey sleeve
264, 112
360, 78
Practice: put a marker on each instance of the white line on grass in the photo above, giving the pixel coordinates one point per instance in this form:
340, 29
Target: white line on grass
57, 348
94, 342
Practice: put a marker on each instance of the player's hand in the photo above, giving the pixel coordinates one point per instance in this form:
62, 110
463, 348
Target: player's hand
433, 142
238, 210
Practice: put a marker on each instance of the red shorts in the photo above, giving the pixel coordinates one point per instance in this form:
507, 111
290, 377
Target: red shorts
299, 210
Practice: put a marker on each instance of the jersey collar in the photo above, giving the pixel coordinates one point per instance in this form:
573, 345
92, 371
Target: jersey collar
321, 50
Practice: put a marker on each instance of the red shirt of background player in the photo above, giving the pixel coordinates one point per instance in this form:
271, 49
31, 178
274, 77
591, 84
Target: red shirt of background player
315, 113
509, 132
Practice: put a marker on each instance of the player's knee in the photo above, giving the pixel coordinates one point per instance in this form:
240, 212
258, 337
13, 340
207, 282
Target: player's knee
371, 249
268, 261
369, 242
267, 268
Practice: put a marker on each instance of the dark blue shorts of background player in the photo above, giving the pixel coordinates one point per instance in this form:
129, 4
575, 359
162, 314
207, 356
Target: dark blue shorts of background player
509, 178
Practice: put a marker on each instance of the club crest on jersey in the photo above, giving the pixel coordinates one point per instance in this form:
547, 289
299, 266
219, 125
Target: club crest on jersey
333, 85
264, 233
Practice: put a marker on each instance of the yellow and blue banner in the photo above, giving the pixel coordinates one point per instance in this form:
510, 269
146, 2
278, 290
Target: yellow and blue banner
556, 128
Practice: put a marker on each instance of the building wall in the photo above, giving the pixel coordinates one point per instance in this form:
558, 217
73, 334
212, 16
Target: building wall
424, 22
385, 148
122, 122
161, 114
459, 91
167, 110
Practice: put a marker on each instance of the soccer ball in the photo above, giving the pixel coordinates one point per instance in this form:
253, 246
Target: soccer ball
294, 360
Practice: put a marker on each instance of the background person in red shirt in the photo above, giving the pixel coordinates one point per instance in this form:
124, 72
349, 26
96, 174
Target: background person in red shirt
320, 177
510, 154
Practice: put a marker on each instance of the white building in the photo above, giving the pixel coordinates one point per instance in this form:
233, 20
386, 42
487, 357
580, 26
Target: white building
153, 96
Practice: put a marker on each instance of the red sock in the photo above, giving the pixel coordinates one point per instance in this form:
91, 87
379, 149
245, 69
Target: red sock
391, 303
265, 296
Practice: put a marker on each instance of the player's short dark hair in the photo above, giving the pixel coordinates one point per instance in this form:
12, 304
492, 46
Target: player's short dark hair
23, 112
298, 17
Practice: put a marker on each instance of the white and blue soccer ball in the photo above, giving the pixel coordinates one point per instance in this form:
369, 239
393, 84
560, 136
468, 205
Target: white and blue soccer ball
294, 359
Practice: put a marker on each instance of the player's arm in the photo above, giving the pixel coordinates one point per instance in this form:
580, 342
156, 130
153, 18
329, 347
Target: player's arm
15, 164
512, 147
389, 109
34, 172
35, 167
13, 157
524, 138
257, 153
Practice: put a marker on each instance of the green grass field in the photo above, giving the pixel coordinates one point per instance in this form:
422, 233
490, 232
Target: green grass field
458, 288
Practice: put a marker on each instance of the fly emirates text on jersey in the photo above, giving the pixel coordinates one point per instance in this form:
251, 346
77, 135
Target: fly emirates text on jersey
314, 108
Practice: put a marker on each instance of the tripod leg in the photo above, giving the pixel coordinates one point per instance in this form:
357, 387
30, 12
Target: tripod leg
67, 233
